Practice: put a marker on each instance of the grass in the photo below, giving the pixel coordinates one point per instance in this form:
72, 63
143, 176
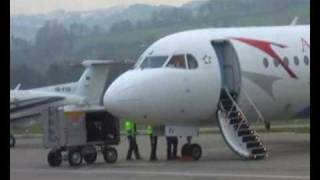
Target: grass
35, 128
296, 126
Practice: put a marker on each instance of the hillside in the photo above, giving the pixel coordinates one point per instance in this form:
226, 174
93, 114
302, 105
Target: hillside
61, 38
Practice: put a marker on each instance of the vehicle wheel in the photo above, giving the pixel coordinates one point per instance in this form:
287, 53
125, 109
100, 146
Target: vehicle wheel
54, 158
185, 150
110, 155
90, 158
74, 158
89, 154
12, 141
196, 151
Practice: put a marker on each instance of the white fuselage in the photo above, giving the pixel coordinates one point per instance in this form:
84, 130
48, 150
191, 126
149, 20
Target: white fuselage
271, 65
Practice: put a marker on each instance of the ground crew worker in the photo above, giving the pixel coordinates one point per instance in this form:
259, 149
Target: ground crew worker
153, 143
131, 129
172, 145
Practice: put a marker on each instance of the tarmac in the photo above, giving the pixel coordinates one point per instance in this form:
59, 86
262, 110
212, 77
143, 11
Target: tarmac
289, 158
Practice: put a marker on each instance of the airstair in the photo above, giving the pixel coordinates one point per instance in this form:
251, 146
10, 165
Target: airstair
236, 131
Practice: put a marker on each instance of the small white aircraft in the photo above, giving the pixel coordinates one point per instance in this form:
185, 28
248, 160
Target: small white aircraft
27, 105
229, 75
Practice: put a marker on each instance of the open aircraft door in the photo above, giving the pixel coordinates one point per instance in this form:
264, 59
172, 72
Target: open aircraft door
229, 65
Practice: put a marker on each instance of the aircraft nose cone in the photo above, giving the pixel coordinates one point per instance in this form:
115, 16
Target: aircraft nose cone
120, 99
110, 101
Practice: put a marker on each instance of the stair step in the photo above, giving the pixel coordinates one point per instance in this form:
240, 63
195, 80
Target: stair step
224, 96
258, 150
250, 137
223, 93
235, 120
226, 99
228, 107
226, 102
242, 126
245, 132
254, 144
233, 114
260, 156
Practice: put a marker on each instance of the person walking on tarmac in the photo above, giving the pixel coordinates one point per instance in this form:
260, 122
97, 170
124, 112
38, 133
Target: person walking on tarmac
153, 143
172, 145
131, 129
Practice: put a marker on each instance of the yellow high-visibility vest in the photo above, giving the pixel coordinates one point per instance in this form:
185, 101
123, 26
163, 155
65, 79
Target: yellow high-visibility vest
149, 130
128, 125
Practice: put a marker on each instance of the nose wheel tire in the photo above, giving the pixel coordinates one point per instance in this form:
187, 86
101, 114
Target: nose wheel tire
12, 141
185, 150
110, 155
196, 151
75, 158
54, 158
192, 150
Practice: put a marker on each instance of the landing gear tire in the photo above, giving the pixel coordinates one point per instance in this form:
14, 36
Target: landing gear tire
196, 151
90, 158
185, 150
54, 158
12, 141
193, 150
110, 155
75, 158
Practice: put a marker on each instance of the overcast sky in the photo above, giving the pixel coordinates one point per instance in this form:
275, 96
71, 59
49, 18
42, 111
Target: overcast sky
42, 6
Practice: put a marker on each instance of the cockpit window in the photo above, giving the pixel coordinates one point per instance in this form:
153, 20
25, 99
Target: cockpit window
153, 62
192, 62
177, 61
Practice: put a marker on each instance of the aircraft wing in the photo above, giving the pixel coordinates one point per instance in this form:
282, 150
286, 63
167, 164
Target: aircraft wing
23, 111
20, 105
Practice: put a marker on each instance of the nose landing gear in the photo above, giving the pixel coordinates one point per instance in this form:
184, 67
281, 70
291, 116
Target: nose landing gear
191, 150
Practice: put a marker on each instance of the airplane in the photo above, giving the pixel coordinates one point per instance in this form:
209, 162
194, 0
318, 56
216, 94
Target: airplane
224, 76
27, 105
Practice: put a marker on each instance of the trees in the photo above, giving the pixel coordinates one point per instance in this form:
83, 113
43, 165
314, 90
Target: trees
53, 42
121, 26
24, 74
59, 44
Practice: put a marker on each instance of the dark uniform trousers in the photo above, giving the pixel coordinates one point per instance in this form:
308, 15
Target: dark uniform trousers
172, 143
133, 147
154, 142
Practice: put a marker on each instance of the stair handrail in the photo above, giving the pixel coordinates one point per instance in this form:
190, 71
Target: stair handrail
253, 105
238, 108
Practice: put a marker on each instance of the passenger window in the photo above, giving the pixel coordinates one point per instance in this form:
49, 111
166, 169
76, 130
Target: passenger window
192, 62
296, 60
306, 60
276, 62
177, 61
265, 62
286, 61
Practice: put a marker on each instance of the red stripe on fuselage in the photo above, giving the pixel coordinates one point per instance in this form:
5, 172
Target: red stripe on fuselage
265, 46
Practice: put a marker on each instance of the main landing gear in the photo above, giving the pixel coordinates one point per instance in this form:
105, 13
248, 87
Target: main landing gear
191, 150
